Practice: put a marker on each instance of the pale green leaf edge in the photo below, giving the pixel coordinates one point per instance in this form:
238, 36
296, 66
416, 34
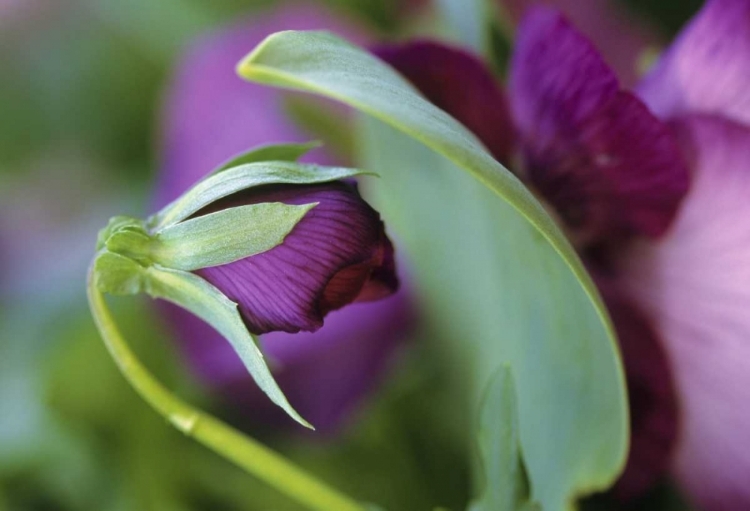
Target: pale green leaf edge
479, 163
269, 152
222, 184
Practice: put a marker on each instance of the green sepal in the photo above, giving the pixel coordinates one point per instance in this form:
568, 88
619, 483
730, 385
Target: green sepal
269, 152
132, 243
225, 236
198, 296
118, 275
505, 485
233, 180
116, 224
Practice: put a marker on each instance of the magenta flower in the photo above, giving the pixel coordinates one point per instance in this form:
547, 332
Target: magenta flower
609, 169
336, 255
694, 284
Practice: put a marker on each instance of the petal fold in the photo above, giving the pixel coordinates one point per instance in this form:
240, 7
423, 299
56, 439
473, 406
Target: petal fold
595, 152
695, 284
459, 83
707, 69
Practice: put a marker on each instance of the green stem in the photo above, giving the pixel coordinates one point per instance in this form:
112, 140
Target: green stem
245, 452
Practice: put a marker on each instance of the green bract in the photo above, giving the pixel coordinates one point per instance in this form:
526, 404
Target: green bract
504, 484
156, 256
501, 276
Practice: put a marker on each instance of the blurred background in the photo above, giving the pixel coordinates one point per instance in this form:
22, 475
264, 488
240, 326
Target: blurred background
81, 90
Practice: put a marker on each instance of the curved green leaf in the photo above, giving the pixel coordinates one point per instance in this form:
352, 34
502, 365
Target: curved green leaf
547, 318
191, 292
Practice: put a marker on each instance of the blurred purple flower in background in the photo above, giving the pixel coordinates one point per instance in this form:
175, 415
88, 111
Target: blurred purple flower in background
707, 68
619, 35
210, 115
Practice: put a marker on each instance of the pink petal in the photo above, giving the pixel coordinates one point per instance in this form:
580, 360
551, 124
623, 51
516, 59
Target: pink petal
695, 284
707, 69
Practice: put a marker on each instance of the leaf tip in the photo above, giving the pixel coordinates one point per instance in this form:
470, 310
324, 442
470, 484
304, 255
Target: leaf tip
246, 65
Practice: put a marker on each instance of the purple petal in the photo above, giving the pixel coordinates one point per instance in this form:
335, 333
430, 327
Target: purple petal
337, 254
651, 393
620, 37
211, 114
326, 374
695, 284
595, 152
707, 69
459, 83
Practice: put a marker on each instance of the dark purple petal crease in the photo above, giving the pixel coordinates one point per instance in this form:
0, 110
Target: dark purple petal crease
337, 254
707, 68
595, 152
654, 414
459, 83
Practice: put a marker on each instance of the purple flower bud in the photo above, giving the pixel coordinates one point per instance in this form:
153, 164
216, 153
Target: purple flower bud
336, 255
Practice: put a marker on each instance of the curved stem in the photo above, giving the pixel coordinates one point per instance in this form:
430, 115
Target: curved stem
245, 452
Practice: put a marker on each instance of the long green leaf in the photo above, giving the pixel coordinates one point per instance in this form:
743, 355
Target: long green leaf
495, 286
227, 182
550, 323
191, 292
226, 236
